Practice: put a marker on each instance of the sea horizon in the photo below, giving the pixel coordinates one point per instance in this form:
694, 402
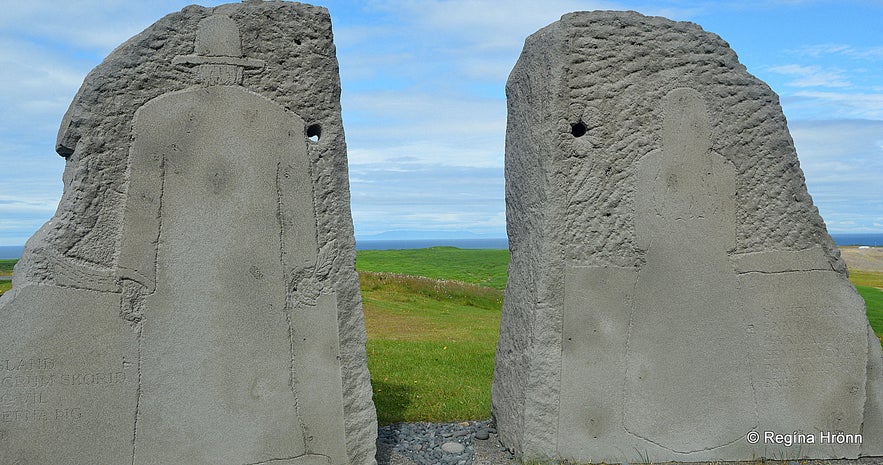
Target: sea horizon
841, 239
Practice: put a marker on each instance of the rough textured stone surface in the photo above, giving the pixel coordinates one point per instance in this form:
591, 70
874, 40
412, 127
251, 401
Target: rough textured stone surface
194, 299
672, 286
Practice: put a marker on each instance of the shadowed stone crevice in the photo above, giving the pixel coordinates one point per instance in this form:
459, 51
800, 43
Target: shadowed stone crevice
301, 460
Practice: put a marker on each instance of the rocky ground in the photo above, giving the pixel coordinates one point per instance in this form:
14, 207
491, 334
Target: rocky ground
477, 443
466, 443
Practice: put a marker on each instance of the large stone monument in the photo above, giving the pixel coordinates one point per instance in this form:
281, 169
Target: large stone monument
673, 293
194, 299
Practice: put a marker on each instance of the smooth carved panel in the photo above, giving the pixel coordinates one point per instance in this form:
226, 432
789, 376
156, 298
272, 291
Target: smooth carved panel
686, 341
808, 353
598, 304
223, 170
68, 375
317, 377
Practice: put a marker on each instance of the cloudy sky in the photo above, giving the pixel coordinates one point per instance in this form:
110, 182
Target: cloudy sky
424, 105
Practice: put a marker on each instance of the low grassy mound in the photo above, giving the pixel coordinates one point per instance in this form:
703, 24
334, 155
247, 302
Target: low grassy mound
869, 285
6, 266
874, 305
486, 267
6, 270
866, 278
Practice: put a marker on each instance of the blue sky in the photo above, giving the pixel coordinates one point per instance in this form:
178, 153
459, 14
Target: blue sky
424, 106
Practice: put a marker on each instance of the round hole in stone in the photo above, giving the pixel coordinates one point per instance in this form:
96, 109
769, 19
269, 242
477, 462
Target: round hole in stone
578, 129
314, 132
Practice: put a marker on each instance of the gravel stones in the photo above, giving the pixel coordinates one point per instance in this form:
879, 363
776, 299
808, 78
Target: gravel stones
433, 443
453, 447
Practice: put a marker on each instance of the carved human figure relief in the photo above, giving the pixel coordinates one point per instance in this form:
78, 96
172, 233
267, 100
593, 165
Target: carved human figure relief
685, 221
209, 249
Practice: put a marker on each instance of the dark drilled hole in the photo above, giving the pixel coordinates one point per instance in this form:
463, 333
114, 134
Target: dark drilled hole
578, 129
314, 132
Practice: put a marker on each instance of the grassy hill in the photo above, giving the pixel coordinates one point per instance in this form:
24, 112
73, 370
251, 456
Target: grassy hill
6, 270
6, 266
433, 318
430, 346
475, 266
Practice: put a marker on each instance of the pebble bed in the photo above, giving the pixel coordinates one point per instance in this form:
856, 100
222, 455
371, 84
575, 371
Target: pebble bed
436, 443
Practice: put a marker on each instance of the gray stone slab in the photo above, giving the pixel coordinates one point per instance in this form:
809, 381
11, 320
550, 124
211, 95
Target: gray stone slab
672, 288
780, 261
808, 356
68, 377
591, 387
874, 403
202, 258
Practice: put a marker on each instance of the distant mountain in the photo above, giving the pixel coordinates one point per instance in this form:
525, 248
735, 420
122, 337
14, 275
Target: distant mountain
405, 235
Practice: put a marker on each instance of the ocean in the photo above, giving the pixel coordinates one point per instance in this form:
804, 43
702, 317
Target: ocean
501, 243
872, 239
10, 251
843, 239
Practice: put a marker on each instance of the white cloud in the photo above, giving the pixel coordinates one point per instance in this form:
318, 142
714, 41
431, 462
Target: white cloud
96, 26
9, 205
822, 50
842, 161
826, 105
441, 129
812, 76
39, 84
427, 196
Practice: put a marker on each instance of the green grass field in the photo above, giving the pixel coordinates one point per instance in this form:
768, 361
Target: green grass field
433, 319
484, 267
6, 270
6, 266
874, 305
430, 346
866, 278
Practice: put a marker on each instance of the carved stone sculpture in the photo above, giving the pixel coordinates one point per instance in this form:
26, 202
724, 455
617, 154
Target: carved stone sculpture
194, 300
673, 290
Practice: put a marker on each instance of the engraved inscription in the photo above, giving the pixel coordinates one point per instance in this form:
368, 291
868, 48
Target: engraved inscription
26, 389
808, 355
27, 364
